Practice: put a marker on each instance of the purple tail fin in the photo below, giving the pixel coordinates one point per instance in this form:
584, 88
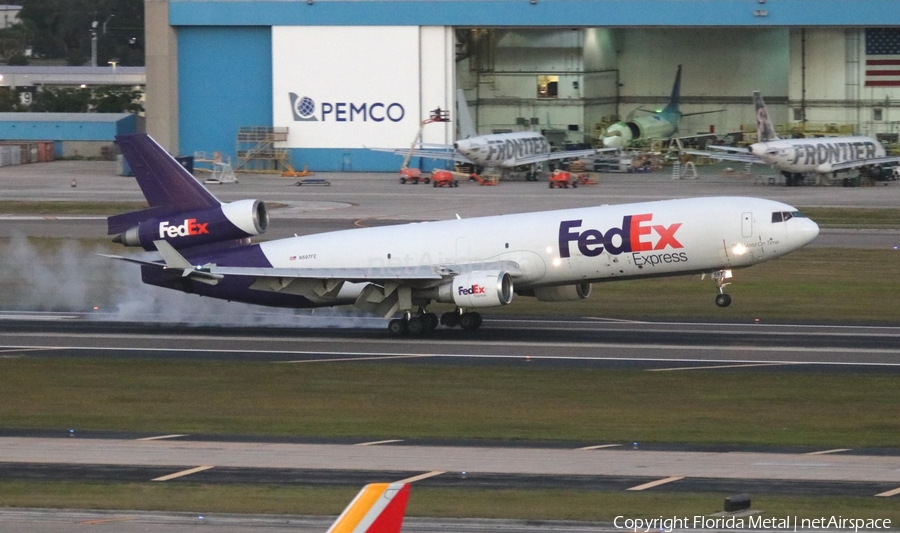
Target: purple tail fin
166, 185
164, 182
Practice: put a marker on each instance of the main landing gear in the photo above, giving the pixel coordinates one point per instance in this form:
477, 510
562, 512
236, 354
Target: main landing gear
467, 320
721, 278
426, 322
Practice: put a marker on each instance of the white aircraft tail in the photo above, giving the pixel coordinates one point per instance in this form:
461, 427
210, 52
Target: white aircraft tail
765, 131
378, 508
466, 126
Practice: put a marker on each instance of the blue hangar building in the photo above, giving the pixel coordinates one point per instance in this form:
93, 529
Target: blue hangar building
335, 77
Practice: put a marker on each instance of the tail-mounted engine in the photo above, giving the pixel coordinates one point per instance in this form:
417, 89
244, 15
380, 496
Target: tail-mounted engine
229, 221
481, 288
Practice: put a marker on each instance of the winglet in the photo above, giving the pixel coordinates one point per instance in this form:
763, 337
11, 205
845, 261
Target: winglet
378, 508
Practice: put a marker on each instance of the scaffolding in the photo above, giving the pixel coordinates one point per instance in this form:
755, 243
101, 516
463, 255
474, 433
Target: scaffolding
256, 151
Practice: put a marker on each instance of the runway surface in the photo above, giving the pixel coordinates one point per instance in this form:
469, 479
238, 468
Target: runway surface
61, 521
660, 346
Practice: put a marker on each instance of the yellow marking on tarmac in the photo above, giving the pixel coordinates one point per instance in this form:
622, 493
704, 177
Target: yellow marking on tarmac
162, 437
823, 452
713, 367
656, 483
105, 520
598, 447
889, 493
420, 477
341, 359
184, 473
373, 443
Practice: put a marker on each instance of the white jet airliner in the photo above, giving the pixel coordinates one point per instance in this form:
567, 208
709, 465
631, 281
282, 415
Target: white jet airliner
502, 151
470, 263
798, 157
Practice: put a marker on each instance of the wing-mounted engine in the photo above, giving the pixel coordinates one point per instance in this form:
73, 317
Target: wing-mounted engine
225, 222
561, 293
480, 288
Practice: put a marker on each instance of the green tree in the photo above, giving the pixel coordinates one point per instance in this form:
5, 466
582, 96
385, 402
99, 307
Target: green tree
62, 100
9, 100
63, 29
116, 99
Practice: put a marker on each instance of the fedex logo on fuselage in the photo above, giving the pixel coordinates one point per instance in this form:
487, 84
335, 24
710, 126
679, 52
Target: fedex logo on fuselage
190, 227
474, 289
635, 235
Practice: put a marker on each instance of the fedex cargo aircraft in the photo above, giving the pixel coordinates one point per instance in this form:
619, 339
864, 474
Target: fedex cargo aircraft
398, 271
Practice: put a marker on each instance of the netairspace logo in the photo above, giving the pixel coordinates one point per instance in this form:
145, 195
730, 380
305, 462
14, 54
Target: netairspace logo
304, 110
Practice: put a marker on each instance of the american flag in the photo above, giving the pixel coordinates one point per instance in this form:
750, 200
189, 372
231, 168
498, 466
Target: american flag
882, 57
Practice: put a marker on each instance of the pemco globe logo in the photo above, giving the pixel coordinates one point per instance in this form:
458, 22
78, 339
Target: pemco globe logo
304, 109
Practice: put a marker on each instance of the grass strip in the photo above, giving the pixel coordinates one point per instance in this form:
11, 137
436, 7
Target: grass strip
404, 400
64, 207
424, 501
809, 285
854, 217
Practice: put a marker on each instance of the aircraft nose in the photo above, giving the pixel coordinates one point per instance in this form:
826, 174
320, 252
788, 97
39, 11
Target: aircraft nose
808, 231
613, 141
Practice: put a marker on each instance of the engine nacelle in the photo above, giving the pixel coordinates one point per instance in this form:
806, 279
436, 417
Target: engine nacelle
481, 288
231, 221
563, 293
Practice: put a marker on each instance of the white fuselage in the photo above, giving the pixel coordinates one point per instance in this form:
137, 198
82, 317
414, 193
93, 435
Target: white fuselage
816, 155
647, 127
569, 246
502, 149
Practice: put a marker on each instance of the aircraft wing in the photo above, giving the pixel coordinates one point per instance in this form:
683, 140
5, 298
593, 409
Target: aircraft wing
727, 156
437, 151
211, 273
736, 149
857, 163
556, 156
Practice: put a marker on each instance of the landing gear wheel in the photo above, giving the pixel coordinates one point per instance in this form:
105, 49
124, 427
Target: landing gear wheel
431, 321
470, 321
723, 300
574, 184
416, 325
450, 319
397, 327
402, 181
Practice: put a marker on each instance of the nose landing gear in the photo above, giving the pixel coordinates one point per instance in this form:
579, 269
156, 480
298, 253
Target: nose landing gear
721, 278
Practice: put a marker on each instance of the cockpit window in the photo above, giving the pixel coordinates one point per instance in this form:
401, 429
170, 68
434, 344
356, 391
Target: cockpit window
784, 216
